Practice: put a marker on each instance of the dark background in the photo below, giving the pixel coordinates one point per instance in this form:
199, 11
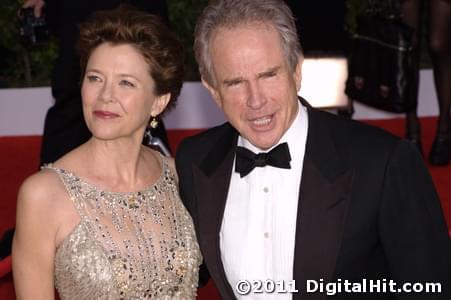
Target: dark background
321, 26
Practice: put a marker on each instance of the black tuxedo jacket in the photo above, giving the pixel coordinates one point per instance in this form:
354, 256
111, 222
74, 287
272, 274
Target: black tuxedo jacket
367, 207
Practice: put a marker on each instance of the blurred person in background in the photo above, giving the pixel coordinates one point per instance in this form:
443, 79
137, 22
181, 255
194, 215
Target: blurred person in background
439, 41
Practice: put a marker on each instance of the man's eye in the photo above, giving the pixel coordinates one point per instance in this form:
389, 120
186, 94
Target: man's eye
269, 75
234, 82
126, 83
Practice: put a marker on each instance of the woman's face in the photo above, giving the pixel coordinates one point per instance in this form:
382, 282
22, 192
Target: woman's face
118, 93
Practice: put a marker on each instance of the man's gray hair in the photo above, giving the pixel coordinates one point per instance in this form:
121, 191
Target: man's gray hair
233, 13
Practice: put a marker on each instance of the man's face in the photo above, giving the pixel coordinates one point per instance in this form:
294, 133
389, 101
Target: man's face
254, 86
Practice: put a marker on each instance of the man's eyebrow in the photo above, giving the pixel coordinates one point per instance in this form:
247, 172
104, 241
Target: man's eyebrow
271, 71
232, 80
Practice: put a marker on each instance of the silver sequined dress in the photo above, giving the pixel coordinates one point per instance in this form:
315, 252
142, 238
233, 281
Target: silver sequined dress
135, 245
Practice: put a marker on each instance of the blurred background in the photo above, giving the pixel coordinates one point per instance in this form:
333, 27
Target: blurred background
324, 26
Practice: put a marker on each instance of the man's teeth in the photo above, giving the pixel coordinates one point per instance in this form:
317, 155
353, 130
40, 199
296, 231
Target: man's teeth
262, 121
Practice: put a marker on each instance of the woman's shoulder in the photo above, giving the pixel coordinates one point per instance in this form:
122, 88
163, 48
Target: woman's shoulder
165, 162
40, 191
42, 183
170, 163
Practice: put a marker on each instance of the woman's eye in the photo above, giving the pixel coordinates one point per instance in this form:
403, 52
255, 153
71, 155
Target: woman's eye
92, 78
126, 83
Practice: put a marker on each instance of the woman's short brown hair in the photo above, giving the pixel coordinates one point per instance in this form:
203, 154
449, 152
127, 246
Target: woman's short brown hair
160, 47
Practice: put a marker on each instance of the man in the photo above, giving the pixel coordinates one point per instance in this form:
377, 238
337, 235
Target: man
332, 200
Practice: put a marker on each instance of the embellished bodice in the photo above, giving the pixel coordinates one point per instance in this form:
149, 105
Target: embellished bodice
128, 245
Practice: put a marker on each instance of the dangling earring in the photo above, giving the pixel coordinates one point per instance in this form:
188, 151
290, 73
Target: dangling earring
154, 122
147, 133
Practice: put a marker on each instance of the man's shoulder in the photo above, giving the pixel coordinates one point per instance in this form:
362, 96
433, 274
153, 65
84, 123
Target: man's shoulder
353, 129
353, 137
210, 135
197, 145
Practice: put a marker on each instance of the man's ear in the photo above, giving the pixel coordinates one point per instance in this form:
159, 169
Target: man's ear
298, 73
160, 104
213, 91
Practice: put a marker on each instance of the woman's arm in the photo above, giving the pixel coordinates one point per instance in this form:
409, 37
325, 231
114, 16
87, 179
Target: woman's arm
34, 240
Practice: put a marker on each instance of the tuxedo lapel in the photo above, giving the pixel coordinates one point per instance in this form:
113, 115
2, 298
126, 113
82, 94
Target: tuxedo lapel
323, 202
211, 181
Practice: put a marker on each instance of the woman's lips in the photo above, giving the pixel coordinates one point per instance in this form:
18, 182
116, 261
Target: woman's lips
105, 114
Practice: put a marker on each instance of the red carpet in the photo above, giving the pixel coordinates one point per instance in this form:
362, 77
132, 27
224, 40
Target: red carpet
20, 158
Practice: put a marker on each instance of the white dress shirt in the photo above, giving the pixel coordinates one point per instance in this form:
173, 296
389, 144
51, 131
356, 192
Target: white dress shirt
257, 236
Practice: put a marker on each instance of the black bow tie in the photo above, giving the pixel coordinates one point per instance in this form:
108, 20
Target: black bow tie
247, 160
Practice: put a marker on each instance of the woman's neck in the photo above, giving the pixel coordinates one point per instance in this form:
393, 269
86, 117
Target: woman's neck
119, 163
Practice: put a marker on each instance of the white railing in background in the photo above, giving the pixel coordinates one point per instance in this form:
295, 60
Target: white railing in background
22, 111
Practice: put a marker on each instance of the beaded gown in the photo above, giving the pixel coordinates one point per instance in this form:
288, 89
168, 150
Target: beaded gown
136, 245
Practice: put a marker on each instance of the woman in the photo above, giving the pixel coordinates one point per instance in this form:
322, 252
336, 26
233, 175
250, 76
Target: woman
439, 24
105, 221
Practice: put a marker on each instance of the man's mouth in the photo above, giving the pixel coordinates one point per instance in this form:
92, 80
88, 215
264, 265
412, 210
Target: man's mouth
263, 121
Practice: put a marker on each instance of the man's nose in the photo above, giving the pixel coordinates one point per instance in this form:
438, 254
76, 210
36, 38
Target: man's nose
255, 97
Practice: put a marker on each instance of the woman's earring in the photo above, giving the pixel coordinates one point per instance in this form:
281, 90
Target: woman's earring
154, 122
154, 141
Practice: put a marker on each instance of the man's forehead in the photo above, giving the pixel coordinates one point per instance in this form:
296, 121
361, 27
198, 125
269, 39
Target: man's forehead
251, 38
241, 28
245, 51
